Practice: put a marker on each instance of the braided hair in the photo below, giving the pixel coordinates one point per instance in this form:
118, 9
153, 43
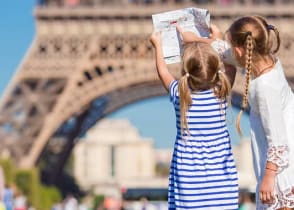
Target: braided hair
253, 34
248, 67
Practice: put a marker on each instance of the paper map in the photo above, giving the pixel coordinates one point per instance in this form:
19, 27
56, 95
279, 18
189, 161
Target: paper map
189, 19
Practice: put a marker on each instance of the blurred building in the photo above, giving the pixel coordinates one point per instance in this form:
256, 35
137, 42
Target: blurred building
113, 156
163, 156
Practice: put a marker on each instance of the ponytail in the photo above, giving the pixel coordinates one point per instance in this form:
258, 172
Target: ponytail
185, 101
224, 88
225, 85
248, 65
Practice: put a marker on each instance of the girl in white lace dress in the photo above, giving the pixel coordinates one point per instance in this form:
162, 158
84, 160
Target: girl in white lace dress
271, 103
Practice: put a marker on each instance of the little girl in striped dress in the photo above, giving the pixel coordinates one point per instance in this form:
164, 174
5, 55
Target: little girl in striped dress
202, 173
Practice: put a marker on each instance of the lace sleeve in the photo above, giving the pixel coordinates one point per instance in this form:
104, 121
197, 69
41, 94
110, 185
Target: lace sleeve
224, 51
279, 156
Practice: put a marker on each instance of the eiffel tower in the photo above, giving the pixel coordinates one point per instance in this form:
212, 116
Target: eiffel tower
90, 58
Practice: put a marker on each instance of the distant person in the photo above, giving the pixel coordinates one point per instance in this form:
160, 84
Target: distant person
146, 205
57, 206
271, 102
203, 173
8, 195
70, 203
247, 203
82, 207
71, 3
20, 202
2, 183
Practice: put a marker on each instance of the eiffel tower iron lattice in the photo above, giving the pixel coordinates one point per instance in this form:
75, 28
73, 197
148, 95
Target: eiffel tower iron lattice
86, 62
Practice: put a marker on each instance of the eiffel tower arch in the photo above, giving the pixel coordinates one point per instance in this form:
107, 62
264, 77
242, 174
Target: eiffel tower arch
86, 62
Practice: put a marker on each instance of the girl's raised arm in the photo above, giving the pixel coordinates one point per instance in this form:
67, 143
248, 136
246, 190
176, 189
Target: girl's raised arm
165, 76
218, 44
188, 36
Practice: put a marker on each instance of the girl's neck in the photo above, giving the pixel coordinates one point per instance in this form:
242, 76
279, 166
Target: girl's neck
263, 66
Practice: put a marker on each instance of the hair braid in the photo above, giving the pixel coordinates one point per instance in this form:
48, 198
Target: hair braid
248, 66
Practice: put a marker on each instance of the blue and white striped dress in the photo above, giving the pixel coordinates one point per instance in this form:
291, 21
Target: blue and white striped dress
203, 173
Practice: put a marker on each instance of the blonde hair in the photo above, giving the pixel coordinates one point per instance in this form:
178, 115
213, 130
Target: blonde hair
200, 71
252, 33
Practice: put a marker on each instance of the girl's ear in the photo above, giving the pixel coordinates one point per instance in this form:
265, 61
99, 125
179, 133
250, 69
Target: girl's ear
239, 51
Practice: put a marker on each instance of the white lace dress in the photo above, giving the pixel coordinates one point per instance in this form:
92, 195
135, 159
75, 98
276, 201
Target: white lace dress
272, 130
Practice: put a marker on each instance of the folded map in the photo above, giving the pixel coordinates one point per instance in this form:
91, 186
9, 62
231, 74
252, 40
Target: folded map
196, 20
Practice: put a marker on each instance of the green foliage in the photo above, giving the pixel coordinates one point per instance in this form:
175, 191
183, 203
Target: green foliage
97, 201
27, 181
8, 170
49, 196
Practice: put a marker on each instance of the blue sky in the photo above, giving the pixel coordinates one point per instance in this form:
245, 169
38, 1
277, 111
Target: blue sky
17, 32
